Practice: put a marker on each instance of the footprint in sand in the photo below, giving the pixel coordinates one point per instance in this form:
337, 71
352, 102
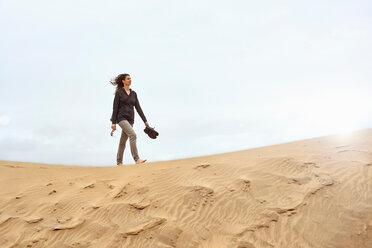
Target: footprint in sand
63, 220
110, 186
299, 181
90, 186
12, 166
326, 181
128, 187
68, 223
52, 192
202, 166
123, 191
140, 205
32, 220
204, 196
80, 244
311, 164
286, 211
246, 184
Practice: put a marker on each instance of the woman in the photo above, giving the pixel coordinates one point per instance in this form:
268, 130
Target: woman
123, 114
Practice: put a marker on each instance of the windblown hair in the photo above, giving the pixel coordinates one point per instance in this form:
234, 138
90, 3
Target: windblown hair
118, 81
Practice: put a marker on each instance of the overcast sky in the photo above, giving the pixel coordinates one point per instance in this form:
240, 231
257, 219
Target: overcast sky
211, 76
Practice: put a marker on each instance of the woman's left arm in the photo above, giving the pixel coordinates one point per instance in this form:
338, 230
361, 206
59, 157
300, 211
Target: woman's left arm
140, 112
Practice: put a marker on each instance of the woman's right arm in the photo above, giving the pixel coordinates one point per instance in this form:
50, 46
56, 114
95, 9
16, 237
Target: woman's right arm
115, 108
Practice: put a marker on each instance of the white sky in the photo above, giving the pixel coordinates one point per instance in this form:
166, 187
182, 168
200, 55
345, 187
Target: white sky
211, 76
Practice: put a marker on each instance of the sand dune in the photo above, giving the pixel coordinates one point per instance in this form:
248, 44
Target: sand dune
309, 193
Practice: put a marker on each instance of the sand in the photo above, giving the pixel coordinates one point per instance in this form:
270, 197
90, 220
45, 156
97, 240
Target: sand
308, 193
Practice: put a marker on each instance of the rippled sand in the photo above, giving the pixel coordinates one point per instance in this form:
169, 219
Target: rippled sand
309, 193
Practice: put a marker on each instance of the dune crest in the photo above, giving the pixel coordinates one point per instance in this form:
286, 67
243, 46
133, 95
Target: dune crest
309, 193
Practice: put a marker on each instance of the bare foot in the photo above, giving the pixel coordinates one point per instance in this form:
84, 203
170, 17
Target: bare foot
140, 161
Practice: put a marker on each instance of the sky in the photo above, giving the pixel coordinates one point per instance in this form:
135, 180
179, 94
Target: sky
211, 76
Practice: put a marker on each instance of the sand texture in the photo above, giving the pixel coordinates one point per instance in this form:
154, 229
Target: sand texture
303, 194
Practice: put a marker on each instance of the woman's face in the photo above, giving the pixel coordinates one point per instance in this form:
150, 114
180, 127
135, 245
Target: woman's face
127, 81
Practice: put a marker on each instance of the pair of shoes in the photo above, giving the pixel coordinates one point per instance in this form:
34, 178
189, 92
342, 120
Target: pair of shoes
140, 161
150, 131
120, 164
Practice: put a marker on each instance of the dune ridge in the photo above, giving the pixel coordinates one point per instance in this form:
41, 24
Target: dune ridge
310, 193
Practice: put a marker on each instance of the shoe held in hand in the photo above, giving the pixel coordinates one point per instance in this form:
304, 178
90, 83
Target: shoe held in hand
150, 131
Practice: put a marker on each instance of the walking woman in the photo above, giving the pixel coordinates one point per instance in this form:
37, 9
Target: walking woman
123, 114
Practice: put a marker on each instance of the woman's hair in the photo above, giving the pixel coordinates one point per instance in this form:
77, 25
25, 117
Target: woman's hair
118, 81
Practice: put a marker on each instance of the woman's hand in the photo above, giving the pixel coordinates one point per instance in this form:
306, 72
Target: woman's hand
147, 124
113, 126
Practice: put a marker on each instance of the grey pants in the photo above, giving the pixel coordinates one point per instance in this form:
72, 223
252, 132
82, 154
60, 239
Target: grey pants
127, 131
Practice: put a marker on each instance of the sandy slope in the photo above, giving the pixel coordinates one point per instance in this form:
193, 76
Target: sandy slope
310, 193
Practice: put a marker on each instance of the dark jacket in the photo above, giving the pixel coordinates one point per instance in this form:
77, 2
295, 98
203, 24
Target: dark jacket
123, 107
